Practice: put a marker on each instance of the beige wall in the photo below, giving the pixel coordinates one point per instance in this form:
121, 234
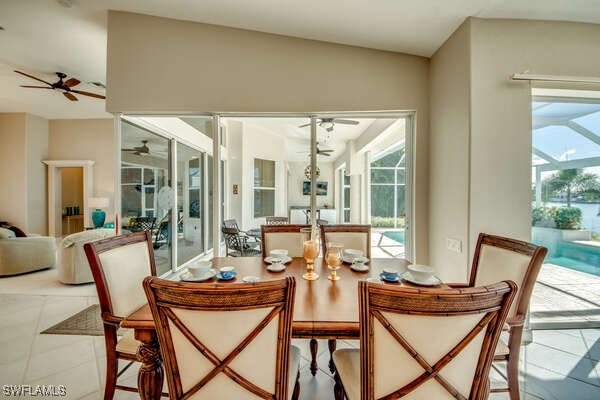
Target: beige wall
183, 66
87, 139
449, 155
495, 129
37, 151
13, 169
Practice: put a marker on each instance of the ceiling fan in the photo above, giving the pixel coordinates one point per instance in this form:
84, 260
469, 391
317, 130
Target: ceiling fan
140, 150
321, 152
61, 86
329, 123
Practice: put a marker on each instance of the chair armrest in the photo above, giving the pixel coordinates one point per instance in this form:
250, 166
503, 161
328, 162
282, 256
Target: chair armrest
458, 285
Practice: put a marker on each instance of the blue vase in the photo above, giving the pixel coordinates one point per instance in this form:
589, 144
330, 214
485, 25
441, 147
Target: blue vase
98, 217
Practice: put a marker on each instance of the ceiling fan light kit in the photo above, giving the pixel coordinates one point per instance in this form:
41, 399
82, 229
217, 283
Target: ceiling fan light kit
65, 87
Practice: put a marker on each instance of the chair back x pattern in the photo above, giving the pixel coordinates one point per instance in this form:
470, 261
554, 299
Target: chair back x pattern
484, 310
167, 298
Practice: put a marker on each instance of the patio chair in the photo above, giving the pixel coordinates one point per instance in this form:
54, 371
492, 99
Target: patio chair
238, 244
138, 224
286, 237
119, 264
253, 360
277, 220
497, 258
403, 351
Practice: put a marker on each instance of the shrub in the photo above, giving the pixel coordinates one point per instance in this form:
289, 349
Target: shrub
543, 216
386, 222
567, 218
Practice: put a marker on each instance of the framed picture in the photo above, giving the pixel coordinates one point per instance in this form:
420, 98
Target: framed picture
321, 188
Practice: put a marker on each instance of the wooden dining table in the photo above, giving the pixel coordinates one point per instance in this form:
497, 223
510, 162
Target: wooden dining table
323, 309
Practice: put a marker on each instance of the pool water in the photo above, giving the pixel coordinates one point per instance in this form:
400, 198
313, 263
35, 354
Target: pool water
397, 236
574, 264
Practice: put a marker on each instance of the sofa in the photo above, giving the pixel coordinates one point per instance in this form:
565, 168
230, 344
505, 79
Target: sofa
19, 255
74, 267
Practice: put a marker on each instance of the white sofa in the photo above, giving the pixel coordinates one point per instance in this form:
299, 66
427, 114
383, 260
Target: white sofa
25, 254
74, 267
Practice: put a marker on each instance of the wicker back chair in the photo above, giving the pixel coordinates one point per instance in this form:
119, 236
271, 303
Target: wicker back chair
497, 258
402, 352
138, 224
282, 237
351, 236
254, 360
119, 264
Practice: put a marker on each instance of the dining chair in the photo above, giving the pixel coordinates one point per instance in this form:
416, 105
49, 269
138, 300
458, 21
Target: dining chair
351, 236
423, 343
286, 237
253, 360
499, 258
277, 220
119, 264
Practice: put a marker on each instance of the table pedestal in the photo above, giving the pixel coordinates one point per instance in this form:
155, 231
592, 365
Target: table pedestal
151, 375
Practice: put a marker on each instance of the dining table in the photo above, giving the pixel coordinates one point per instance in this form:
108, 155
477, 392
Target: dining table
323, 308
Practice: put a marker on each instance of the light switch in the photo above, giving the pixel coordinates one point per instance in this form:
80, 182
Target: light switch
454, 245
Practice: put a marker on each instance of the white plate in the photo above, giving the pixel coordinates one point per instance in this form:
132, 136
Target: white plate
251, 279
284, 260
350, 260
186, 276
431, 281
359, 267
274, 268
374, 280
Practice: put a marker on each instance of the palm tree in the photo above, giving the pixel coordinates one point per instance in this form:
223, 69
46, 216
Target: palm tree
571, 181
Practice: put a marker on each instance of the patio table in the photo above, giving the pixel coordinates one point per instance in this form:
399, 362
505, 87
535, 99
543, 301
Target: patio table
323, 309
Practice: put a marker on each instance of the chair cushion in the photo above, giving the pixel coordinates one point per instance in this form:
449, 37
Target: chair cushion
347, 364
128, 344
294, 367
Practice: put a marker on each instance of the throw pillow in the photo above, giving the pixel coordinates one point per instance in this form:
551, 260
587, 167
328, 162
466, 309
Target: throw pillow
6, 233
17, 231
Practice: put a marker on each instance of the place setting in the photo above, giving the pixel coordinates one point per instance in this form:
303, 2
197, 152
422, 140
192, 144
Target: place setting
422, 275
277, 259
198, 272
351, 255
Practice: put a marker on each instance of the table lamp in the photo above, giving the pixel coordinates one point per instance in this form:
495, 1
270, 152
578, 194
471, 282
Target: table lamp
98, 215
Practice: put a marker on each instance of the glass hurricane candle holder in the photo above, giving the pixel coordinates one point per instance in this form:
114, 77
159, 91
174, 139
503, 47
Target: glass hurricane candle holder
310, 251
333, 259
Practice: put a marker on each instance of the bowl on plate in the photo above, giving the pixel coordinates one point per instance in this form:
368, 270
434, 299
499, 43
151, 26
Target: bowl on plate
351, 254
420, 271
278, 253
199, 269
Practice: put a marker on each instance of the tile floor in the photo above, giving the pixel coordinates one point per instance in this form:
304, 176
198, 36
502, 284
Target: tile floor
558, 364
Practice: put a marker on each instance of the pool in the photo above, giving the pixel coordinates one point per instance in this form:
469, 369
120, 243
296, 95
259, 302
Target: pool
397, 236
574, 264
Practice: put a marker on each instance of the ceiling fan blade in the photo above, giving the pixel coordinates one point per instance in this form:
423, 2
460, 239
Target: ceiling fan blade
72, 82
99, 96
33, 77
70, 96
37, 87
345, 121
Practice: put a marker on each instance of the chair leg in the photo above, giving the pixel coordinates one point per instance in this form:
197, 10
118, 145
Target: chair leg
331, 343
512, 374
112, 366
338, 388
314, 347
296, 393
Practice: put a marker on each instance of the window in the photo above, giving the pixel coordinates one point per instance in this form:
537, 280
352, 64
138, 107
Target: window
264, 188
345, 179
388, 189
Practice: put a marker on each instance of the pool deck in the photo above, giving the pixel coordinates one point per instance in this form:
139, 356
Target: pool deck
565, 298
562, 298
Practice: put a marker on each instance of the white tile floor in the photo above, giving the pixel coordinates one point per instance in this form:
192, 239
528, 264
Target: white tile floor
559, 364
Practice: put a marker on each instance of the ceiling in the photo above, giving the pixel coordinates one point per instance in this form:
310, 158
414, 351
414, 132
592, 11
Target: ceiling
41, 37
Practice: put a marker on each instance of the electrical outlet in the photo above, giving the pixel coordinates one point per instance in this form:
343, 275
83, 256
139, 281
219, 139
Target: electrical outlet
454, 245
